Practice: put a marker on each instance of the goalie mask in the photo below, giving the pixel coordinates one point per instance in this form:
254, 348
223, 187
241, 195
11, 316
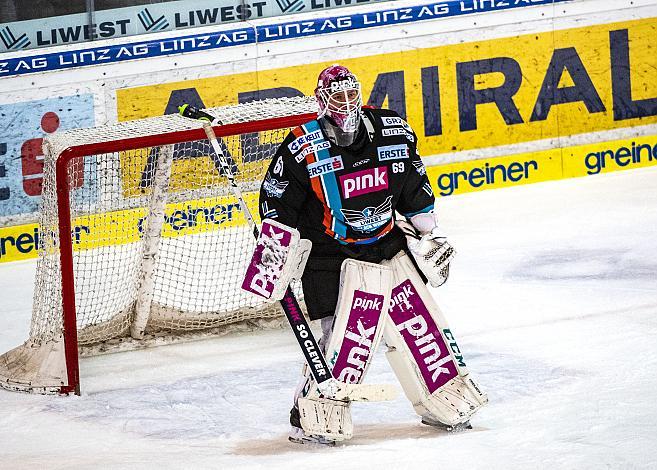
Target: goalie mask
339, 98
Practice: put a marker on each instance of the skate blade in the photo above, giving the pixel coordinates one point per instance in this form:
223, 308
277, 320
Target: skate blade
299, 437
311, 442
460, 427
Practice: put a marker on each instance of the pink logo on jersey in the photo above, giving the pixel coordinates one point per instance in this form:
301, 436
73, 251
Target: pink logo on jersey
363, 182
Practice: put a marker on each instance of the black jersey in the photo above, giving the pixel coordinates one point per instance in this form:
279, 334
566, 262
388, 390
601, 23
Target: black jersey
347, 195
344, 199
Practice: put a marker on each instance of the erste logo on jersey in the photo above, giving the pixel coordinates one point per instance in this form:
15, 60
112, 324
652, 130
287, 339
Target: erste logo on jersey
297, 143
363, 182
322, 167
393, 152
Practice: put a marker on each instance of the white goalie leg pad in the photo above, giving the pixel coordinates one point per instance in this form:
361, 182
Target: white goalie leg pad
423, 352
280, 255
358, 326
357, 331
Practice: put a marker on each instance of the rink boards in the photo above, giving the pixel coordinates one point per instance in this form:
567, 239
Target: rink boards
497, 98
207, 215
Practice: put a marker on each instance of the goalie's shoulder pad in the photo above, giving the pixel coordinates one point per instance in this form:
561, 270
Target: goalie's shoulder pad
279, 256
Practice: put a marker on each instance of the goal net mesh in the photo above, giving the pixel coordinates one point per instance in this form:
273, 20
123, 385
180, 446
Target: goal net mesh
184, 263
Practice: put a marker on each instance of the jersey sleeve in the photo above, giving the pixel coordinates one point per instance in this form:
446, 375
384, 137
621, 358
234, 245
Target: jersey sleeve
284, 187
417, 195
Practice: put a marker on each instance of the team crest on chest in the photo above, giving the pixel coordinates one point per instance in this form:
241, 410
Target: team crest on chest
370, 218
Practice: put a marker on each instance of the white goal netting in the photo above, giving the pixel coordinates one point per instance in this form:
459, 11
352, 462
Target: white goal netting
159, 241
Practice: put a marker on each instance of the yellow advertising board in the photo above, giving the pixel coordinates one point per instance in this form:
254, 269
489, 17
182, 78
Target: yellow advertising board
499, 172
606, 157
534, 167
471, 95
127, 226
194, 165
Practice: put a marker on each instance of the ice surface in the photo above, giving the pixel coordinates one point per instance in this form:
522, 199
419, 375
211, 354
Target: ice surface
552, 296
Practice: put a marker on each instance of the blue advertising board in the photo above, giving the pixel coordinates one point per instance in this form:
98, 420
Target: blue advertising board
21, 156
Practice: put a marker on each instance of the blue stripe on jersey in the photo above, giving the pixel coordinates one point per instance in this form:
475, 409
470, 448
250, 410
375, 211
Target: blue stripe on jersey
426, 209
369, 241
330, 185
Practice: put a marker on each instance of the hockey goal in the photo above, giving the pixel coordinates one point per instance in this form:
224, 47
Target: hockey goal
140, 233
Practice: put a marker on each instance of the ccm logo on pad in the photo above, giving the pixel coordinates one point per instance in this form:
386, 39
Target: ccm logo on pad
363, 182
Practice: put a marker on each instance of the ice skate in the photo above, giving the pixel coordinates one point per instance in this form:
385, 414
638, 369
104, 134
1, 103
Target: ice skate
460, 427
299, 436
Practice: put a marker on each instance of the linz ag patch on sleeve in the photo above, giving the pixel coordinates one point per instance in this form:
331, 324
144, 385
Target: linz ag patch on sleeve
312, 148
391, 131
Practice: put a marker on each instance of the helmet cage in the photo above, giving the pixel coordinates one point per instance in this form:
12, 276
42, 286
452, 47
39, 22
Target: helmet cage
341, 101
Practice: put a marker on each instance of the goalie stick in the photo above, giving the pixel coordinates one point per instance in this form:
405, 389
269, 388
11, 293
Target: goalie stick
321, 372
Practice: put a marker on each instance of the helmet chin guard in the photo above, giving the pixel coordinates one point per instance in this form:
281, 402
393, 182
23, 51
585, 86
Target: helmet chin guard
338, 95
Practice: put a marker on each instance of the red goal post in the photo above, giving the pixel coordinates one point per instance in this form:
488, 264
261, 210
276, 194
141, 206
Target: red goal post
139, 233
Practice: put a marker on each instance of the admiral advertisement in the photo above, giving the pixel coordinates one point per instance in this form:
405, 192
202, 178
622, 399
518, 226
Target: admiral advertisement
473, 95
479, 95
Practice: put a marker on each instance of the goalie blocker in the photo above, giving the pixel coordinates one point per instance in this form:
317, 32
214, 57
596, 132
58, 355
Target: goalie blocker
280, 255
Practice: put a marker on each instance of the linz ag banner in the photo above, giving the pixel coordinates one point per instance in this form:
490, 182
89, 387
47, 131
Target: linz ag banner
17, 39
155, 17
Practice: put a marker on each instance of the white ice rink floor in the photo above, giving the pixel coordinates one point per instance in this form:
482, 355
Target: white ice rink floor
552, 296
